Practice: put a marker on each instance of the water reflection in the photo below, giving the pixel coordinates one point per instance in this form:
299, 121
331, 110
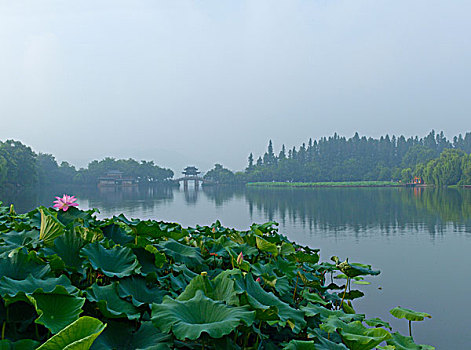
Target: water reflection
392, 210
106, 198
191, 195
223, 194
326, 210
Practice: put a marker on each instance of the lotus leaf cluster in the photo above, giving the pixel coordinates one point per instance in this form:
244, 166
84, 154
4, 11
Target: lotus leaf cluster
72, 281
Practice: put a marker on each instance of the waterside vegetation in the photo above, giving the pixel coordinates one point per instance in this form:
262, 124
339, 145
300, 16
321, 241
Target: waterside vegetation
70, 279
435, 159
326, 184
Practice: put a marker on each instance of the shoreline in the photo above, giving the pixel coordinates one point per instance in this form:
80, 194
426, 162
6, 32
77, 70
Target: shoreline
352, 184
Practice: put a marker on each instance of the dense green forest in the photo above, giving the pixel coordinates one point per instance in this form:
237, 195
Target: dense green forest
359, 158
21, 166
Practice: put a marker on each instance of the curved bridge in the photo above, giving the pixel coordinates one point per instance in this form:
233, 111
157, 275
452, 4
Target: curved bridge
195, 178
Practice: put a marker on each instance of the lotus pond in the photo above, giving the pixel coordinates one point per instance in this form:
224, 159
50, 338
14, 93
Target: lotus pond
72, 281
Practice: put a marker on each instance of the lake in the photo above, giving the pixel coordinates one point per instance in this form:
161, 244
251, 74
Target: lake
419, 238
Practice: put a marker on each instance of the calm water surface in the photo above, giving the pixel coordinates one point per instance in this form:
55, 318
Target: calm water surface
420, 239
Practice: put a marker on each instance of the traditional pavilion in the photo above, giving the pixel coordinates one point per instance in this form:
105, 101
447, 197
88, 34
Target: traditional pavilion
191, 174
191, 171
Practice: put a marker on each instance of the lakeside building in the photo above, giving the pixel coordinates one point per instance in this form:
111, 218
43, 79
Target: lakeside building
115, 178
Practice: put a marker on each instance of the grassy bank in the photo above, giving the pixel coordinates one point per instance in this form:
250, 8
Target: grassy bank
326, 184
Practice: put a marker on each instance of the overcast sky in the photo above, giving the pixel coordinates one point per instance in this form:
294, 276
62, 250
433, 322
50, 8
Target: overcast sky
200, 82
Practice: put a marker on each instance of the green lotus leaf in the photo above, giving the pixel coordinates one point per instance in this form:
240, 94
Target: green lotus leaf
354, 269
303, 257
266, 246
314, 298
78, 335
89, 234
233, 249
201, 283
51, 228
260, 299
320, 344
122, 218
73, 214
159, 258
408, 314
355, 335
353, 294
221, 288
24, 344
326, 344
376, 322
287, 249
158, 230
188, 319
14, 239
147, 261
312, 310
332, 324
260, 269
117, 234
110, 304
18, 265
300, 345
190, 256
139, 291
401, 342
56, 311
115, 262
13, 290
123, 336
67, 247
280, 284
284, 267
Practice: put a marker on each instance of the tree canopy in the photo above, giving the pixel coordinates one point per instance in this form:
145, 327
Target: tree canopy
21, 166
338, 158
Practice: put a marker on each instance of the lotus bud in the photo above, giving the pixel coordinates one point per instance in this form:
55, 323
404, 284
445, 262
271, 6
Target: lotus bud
258, 280
204, 273
240, 258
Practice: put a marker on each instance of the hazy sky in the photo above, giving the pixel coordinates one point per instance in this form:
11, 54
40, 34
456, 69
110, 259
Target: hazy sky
200, 82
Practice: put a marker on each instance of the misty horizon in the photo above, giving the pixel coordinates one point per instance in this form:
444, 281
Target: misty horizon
276, 149
209, 82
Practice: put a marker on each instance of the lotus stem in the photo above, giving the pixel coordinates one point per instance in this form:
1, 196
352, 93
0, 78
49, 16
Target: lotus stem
410, 329
36, 331
344, 292
3, 329
295, 288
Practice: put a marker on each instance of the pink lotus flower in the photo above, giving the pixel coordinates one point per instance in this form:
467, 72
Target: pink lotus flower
65, 202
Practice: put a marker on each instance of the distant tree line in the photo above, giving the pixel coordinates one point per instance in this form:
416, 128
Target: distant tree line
358, 158
433, 158
21, 166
